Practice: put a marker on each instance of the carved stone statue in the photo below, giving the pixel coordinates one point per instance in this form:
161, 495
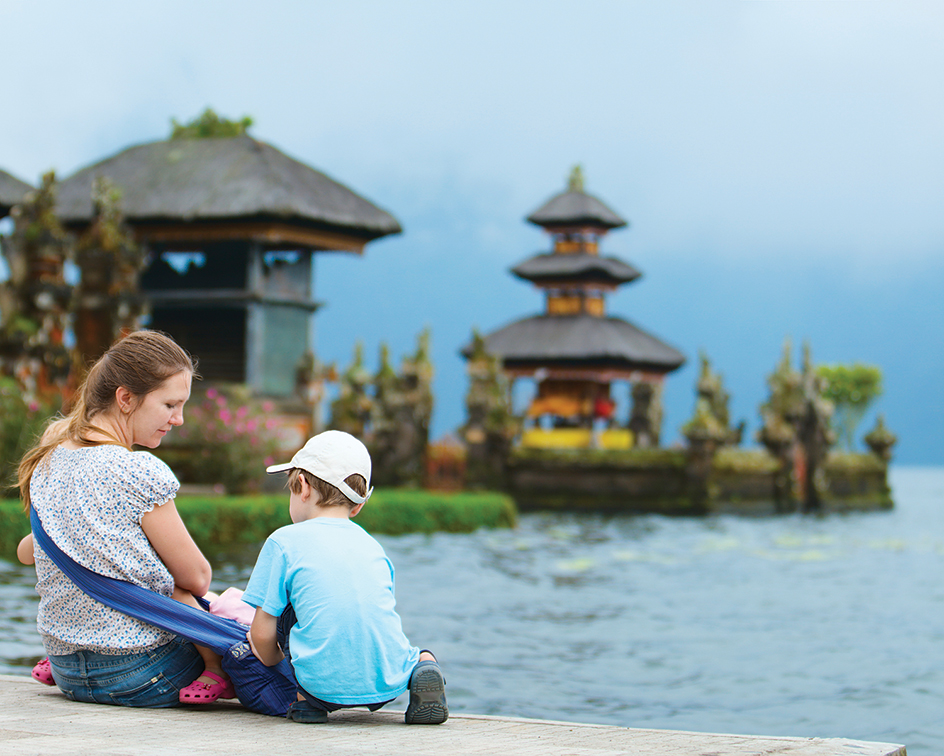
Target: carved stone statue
645, 419
491, 425
352, 410
779, 415
107, 301
796, 430
814, 433
399, 424
710, 388
34, 301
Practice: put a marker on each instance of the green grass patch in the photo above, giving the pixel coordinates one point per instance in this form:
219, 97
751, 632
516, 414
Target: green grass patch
219, 522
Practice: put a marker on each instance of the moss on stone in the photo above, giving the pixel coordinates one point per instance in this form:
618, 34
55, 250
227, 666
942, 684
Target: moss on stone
617, 458
730, 460
852, 463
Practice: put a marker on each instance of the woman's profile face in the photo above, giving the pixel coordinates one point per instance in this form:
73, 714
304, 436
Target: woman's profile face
160, 410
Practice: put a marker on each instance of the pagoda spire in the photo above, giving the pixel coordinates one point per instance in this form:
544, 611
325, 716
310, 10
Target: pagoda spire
575, 181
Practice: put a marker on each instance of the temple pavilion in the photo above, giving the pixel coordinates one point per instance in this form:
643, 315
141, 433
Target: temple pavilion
230, 225
12, 192
574, 350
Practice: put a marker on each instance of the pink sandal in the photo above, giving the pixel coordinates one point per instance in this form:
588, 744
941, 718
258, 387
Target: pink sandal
201, 693
42, 672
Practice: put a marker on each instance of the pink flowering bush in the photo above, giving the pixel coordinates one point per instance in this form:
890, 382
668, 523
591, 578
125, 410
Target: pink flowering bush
228, 438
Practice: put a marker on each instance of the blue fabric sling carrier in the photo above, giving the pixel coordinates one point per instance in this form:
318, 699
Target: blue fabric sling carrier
267, 690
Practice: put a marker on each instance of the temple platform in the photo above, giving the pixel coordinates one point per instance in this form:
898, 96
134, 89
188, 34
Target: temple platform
35, 719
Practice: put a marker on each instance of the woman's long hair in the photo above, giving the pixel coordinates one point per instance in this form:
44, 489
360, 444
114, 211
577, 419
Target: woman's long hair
140, 362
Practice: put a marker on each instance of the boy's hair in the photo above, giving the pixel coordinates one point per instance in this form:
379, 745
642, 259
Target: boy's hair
330, 496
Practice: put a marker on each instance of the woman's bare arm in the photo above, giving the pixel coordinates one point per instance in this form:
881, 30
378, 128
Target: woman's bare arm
174, 545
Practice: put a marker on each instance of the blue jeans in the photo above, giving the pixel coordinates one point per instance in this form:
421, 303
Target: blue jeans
150, 679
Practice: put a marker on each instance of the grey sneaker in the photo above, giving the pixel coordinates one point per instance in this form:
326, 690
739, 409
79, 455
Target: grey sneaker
427, 695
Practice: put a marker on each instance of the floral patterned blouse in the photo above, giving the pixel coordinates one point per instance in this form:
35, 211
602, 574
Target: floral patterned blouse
91, 501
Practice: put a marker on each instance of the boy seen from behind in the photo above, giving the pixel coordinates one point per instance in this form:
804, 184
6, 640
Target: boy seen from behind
333, 586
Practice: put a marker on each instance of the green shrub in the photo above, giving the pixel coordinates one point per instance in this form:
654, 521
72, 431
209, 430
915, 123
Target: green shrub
14, 524
21, 422
852, 389
223, 522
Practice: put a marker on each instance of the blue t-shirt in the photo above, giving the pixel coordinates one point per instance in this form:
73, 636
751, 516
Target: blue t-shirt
348, 645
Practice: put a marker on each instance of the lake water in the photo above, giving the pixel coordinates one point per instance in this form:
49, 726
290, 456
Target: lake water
796, 626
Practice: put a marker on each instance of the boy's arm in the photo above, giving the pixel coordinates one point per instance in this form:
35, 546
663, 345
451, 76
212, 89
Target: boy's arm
24, 551
263, 638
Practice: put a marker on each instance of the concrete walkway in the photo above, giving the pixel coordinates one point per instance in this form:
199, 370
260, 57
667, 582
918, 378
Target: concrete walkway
36, 720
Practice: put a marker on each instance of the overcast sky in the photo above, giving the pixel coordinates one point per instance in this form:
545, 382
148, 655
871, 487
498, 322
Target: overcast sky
780, 162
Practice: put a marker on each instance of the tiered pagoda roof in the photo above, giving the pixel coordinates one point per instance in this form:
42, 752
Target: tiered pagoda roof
575, 207
575, 334
551, 268
561, 341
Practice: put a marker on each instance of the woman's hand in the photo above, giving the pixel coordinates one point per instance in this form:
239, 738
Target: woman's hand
174, 545
24, 550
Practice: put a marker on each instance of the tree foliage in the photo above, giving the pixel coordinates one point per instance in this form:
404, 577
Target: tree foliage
209, 125
852, 388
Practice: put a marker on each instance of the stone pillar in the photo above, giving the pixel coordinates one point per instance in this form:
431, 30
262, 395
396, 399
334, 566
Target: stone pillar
255, 320
698, 464
881, 440
704, 434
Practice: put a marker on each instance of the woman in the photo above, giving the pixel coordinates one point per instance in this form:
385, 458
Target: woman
112, 510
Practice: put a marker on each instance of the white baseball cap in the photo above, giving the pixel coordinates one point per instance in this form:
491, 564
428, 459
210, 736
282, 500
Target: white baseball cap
332, 456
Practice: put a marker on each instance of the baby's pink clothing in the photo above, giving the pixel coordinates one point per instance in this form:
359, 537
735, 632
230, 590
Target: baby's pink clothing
230, 604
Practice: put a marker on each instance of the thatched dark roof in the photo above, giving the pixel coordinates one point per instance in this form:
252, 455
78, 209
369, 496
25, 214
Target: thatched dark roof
227, 179
575, 208
12, 192
578, 268
557, 340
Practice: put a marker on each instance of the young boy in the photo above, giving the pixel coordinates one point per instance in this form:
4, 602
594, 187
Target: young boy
346, 641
